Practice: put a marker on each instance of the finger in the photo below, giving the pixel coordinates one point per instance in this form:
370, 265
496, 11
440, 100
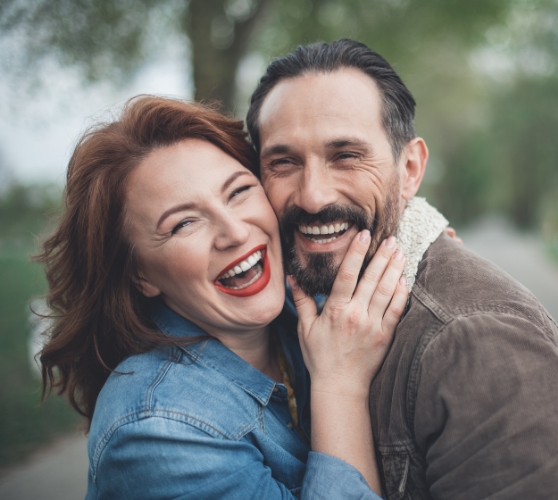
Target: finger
450, 231
346, 280
374, 271
305, 305
396, 307
385, 290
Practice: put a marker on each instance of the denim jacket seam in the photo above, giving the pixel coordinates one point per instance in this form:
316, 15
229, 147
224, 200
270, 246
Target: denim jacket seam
261, 418
134, 417
204, 362
159, 378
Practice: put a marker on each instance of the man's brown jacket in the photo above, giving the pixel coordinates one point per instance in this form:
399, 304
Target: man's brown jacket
466, 403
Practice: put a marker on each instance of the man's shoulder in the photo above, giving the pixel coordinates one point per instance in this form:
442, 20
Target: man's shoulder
453, 282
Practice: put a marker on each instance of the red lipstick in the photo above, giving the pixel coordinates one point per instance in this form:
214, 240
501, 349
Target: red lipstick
255, 287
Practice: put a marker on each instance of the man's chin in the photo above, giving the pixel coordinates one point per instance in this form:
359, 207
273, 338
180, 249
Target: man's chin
314, 272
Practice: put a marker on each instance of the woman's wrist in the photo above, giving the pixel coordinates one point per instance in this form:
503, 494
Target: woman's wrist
345, 388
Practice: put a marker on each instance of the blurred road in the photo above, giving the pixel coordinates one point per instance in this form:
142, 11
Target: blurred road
60, 472
521, 256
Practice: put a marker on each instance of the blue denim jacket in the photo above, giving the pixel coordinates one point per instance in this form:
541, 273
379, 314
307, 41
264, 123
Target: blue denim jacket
199, 422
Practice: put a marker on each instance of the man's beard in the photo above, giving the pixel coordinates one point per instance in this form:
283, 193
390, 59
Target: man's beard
318, 274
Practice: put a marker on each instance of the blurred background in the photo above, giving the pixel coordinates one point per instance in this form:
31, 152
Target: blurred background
484, 74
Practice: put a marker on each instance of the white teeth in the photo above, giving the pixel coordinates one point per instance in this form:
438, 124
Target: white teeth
252, 260
243, 266
327, 240
331, 229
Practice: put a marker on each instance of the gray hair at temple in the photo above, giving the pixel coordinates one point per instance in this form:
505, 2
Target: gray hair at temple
398, 104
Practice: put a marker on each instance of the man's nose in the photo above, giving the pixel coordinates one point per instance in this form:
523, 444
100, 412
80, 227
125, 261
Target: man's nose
316, 188
232, 230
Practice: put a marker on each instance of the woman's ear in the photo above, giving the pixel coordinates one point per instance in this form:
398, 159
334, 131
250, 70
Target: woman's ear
145, 286
414, 157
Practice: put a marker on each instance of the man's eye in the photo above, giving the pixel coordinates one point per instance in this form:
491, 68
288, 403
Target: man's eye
280, 162
180, 225
347, 156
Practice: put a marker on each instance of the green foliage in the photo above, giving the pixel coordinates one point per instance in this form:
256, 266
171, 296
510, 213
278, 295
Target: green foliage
25, 213
525, 121
398, 29
24, 422
103, 37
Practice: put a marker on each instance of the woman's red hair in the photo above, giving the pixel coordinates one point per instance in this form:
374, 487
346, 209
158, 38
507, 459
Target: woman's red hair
100, 317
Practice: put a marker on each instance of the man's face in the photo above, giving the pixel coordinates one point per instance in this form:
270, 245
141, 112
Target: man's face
328, 169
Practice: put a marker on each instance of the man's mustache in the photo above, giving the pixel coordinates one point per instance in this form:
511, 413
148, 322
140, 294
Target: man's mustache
296, 216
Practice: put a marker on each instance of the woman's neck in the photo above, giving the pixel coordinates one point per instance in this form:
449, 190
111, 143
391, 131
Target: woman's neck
255, 347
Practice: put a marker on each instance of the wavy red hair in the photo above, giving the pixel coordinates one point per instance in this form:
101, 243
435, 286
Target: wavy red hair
99, 316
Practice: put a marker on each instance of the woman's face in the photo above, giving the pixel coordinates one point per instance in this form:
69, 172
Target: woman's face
206, 238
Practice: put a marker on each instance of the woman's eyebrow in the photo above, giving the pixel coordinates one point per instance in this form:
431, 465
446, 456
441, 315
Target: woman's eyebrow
233, 177
172, 210
188, 206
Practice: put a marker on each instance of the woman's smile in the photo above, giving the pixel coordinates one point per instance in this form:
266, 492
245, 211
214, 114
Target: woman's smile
247, 275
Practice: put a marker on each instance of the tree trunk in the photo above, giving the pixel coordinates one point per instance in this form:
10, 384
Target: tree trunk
219, 41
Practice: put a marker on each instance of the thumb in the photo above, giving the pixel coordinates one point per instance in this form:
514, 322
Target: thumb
305, 305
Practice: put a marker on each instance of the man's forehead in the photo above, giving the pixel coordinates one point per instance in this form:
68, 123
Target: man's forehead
336, 100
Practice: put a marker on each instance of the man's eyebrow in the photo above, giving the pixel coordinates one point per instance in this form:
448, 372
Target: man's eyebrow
342, 142
347, 141
277, 149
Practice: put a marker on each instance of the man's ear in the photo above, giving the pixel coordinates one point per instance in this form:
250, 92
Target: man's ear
414, 157
145, 286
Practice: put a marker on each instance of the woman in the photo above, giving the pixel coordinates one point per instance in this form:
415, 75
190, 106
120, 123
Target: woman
167, 286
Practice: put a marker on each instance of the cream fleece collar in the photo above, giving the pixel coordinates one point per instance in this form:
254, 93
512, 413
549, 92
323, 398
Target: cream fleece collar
419, 226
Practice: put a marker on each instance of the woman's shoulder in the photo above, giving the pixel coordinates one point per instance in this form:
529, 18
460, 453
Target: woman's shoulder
168, 383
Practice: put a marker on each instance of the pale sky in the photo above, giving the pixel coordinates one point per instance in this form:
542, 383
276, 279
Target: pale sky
38, 131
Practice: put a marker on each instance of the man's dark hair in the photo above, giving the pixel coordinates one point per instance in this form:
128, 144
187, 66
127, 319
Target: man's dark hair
398, 104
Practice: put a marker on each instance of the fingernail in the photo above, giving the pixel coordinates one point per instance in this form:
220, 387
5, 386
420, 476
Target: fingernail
398, 255
292, 283
364, 236
403, 281
391, 242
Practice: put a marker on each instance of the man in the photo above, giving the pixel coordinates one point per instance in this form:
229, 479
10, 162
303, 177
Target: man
466, 403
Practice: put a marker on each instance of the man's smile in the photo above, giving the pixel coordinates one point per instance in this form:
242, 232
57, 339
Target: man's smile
324, 233
330, 237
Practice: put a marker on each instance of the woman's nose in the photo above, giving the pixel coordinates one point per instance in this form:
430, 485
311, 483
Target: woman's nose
231, 231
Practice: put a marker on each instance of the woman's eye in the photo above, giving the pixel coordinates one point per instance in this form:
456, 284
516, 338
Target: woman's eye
180, 225
236, 192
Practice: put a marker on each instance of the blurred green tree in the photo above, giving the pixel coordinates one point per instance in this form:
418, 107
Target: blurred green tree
474, 120
110, 38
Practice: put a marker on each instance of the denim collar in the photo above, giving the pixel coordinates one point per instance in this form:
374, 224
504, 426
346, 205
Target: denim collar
213, 353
